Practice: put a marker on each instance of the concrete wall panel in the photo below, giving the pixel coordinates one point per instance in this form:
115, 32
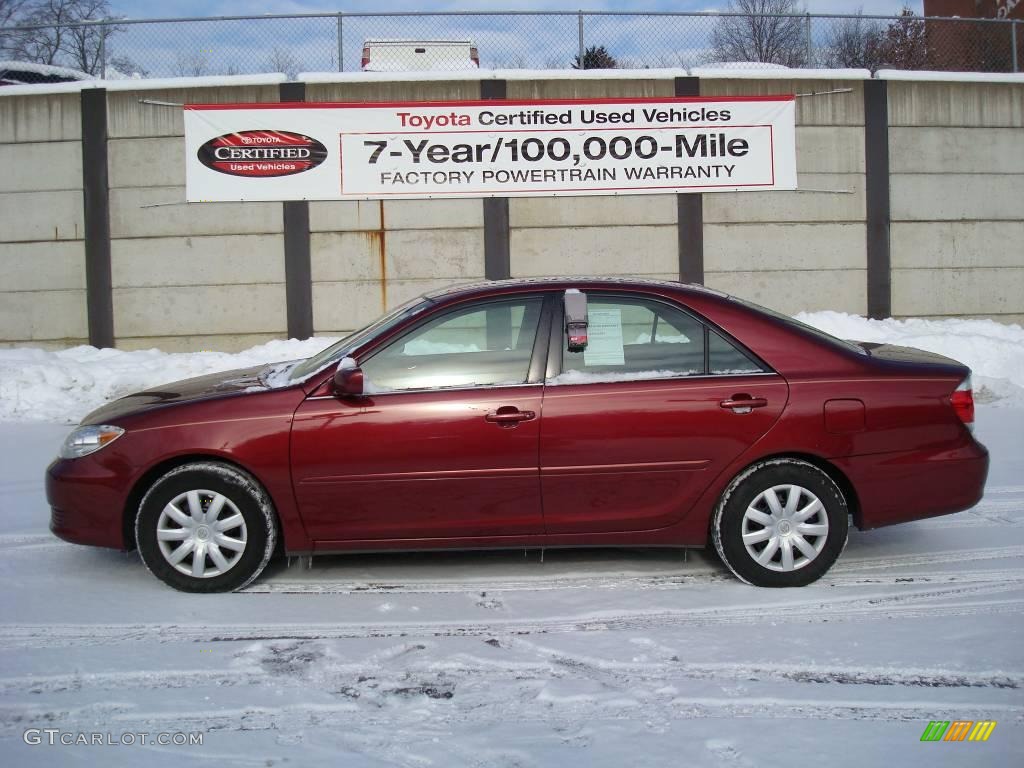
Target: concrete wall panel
199, 310
41, 216
978, 291
344, 215
929, 103
751, 247
595, 251
957, 197
185, 261
956, 150
234, 342
841, 199
40, 167
957, 244
46, 117
792, 292
42, 266
162, 212
339, 256
435, 253
433, 214
128, 118
146, 162
43, 315
597, 211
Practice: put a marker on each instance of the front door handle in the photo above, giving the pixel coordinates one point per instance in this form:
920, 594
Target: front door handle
509, 416
743, 403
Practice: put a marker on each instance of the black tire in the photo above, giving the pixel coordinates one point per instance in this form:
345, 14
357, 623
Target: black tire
745, 492
243, 496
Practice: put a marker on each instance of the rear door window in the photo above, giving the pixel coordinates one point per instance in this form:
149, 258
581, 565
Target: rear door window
630, 338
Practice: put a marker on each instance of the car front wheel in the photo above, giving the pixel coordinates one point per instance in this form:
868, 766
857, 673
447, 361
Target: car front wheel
206, 527
781, 523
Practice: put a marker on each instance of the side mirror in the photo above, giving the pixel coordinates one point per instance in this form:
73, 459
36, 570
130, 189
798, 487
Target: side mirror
348, 381
575, 304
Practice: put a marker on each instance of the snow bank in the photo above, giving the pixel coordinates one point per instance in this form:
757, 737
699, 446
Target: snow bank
37, 385
994, 351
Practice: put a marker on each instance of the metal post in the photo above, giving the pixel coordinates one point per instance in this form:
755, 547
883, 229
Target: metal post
341, 55
810, 49
103, 50
583, 51
1013, 45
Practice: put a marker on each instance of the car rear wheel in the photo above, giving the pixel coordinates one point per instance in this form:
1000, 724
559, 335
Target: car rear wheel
781, 523
206, 527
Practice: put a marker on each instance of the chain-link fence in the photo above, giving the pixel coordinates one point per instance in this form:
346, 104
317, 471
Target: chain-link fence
517, 40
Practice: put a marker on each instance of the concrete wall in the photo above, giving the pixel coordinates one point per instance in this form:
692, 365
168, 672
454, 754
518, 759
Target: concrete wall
957, 186
794, 251
212, 276
367, 257
42, 254
625, 235
186, 277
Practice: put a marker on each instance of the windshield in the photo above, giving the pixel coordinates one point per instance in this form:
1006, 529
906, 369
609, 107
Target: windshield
342, 348
802, 326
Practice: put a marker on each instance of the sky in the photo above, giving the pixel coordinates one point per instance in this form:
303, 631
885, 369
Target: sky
141, 9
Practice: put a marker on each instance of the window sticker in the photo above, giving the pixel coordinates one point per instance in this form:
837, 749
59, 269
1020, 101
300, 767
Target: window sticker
604, 345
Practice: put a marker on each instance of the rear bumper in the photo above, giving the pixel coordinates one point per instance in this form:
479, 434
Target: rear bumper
86, 503
900, 487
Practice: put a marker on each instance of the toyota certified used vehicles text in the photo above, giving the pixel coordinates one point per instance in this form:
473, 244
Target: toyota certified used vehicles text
531, 413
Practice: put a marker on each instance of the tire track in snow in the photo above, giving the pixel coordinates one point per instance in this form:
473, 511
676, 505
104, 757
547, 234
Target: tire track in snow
521, 707
553, 664
815, 609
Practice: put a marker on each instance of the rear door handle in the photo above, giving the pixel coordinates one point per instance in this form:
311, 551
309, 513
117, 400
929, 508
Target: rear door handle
740, 404
509, 416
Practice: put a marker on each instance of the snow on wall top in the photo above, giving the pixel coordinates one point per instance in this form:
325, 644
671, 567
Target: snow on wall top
724, 73
152, 84
729, 72
950, 77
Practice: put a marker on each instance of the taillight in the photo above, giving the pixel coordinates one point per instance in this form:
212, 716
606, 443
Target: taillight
962, 400
474, 55
366, 56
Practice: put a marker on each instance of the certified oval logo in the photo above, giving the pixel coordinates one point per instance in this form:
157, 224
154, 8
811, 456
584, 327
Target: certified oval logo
262, 153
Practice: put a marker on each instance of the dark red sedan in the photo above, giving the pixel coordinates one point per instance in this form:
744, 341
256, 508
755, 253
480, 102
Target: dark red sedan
531, 413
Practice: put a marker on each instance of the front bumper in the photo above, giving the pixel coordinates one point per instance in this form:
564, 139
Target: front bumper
87, 502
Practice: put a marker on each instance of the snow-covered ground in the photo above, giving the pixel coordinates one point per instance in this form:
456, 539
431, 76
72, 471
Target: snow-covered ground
589, 657
63, 386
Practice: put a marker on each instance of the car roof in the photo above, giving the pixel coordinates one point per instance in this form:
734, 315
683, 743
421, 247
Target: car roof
593, 282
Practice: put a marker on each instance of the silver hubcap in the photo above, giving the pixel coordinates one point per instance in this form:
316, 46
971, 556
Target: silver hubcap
785, 528
201, 533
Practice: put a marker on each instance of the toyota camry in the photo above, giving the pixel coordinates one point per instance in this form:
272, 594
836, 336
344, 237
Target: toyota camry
531, 414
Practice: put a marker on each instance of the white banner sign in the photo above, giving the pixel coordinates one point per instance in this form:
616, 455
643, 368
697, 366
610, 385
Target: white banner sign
365, 151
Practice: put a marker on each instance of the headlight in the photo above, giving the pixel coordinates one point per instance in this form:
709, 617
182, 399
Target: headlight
86, 440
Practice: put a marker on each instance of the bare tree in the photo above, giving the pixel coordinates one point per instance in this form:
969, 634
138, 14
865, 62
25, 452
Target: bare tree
284, 61
763, 33
854, 43
60, 33
193, 64
10, 11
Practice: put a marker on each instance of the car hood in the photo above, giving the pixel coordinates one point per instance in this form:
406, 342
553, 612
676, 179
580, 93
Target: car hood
242, 381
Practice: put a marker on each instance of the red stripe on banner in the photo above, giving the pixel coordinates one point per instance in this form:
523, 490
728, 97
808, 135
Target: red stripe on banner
477, 103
